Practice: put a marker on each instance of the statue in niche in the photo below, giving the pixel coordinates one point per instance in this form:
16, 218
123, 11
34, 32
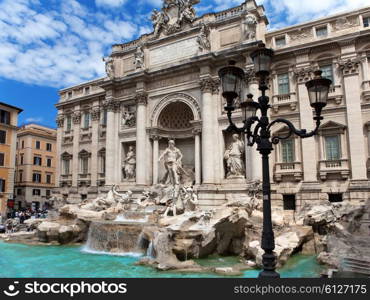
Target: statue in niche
250, 27
173, 164
202, 38
139, 58
128, 119
234, 158
109, 66
159, 19
129, 164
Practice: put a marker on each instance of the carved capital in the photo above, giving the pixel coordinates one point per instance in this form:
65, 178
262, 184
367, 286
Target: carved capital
141, 98
250, 76
197, 131
155, 137
349, 66
209, 85
60, 121
304, 74
76, 117
111, 105
95, 114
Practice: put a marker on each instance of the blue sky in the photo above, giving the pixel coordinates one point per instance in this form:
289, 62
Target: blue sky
46, 45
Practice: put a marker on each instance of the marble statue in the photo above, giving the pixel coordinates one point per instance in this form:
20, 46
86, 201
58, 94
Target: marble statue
172, 162
159, 19
139, 58
234, 158
128, 119
190, 199
250, 27
109, 66
129, 164
202, 39
187, 12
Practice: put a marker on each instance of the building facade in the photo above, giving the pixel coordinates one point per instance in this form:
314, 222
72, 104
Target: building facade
8, 140
36, 162
164, 86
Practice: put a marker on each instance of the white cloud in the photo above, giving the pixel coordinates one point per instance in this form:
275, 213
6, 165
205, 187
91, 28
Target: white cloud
34, 120
58, 47
110, 3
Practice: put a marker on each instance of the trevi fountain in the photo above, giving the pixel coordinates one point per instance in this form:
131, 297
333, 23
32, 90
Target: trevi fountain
165, 191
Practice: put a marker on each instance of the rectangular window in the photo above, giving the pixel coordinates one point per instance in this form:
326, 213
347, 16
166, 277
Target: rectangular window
48, 193
289, 202
70, 95
48, 179
37, 160
366, 22
2, 159
66, 166
86, 120
20, 176
283, 83
36, 177
22, 159
2, 185
38, 145
4, 117
2, 137
332, 147
69, 123
287, 151
49, 147
322, 31
87, 90
22, 144
48, 162
84, 165
280, 41
36, 192
327, 72
19, 192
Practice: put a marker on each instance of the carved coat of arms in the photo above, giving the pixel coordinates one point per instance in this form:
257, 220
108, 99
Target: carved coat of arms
173, 16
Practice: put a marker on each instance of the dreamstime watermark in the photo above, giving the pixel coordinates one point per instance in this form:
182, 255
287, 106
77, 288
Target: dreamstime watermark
70, 289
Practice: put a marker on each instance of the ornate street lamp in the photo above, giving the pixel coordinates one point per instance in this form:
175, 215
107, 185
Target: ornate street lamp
258, 131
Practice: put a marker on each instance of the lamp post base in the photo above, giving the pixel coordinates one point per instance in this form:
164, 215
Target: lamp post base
268, 274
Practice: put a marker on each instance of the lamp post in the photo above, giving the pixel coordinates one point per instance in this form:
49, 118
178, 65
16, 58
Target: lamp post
258, 131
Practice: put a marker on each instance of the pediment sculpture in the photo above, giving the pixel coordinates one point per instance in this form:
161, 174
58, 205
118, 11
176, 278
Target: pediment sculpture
173, 16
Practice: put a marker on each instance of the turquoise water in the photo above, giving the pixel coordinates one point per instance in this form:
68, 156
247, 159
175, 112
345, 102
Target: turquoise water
22, 261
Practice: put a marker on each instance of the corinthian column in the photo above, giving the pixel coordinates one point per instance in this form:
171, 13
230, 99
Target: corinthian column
95, 118
60, 124
155, 139
350, 70
207, 86
76, 118
111, 149
141, 158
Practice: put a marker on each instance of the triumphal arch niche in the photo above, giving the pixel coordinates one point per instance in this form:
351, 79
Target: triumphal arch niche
161, 99
177, 117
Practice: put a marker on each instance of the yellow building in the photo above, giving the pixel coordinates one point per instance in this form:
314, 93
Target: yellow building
8, 134
35, 166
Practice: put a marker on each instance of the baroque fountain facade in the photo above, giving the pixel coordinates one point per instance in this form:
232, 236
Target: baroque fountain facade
146, 164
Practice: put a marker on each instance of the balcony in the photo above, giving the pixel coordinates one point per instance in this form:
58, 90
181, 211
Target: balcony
334, 168
336, 94
290, 171
289, 100
84, 179
65, 180
101, 179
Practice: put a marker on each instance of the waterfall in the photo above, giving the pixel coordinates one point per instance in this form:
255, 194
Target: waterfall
150, 251
114, 238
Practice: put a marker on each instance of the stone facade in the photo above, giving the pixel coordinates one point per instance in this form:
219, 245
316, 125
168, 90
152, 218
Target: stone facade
36, 162
164, 86
8, 139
